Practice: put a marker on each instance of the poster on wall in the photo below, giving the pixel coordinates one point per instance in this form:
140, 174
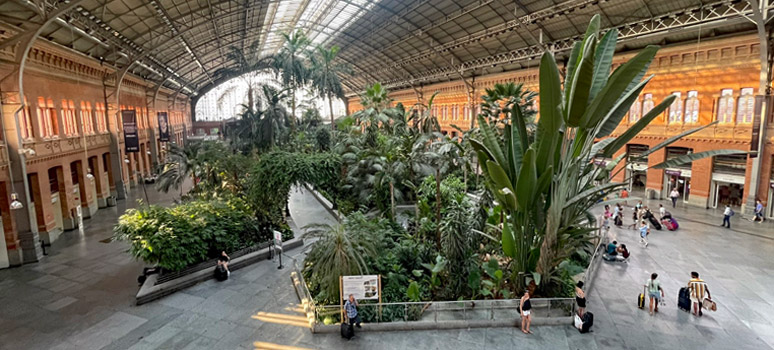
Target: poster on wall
131, 141
363, 287
163, 127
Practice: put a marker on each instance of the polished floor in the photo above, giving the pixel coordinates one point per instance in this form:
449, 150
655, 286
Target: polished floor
81, 297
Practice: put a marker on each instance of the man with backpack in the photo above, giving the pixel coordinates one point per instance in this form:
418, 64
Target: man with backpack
727, 214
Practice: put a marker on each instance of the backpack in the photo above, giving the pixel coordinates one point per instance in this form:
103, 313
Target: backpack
732, 212
220, 273
588, 321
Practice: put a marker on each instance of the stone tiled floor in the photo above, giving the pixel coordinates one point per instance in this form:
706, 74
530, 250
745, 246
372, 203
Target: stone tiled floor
81, 297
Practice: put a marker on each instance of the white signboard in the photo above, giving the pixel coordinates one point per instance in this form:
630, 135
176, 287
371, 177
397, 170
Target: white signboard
365, 287
278, 239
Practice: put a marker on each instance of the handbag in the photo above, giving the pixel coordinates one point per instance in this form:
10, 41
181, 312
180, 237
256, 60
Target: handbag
709, 304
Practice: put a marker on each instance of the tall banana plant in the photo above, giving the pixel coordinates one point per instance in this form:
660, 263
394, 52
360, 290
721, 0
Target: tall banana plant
547, 184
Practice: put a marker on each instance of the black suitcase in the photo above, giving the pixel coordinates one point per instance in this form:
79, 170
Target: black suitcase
654, 222
684, 299
347, 331
588, 321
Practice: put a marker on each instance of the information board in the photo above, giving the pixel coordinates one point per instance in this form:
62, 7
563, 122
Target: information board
363, 287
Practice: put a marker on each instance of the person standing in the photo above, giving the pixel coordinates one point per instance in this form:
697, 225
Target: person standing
674, 195
661, 211
698, 291
351, 311
525, 309
727, 217
655, 292
580, 298
644, 231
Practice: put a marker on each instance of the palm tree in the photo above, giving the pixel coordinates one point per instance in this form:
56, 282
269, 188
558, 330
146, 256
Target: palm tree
326, 75
181, 163
274, 117
291, 66
245, 62
341, 249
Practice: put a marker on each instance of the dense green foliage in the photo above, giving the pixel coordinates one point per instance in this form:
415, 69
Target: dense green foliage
275, 172
174, 238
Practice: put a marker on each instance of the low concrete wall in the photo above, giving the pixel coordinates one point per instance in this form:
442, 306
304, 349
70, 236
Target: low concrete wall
450, 324
150, 291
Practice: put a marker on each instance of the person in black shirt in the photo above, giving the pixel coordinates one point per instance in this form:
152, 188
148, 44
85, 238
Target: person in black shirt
525, 307
223, 259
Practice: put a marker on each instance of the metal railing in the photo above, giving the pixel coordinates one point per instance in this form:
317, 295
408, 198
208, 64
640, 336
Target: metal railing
439, 311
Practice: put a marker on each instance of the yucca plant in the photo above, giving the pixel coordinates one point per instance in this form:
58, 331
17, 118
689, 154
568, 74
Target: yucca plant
548, 183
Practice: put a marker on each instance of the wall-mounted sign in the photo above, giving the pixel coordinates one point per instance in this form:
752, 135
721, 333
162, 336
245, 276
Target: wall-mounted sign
131, 140
163, 127
672, 172
364, 287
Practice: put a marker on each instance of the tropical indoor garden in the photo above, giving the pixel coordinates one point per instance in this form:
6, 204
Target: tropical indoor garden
499, 209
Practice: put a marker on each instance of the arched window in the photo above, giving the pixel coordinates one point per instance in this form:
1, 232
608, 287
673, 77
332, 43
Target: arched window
47, 118
26, 124
726, 106
87, 118
676, 109
99, 115
692, 107
647, 103
68, 117
635, 111
744, 114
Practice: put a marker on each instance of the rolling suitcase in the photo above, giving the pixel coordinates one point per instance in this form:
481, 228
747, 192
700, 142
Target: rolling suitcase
347, 331
674, 223
668, 224
641, 299
684, 299
588, 321
654, 222
220, 273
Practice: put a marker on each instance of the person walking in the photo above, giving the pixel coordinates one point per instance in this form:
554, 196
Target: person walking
350, 306
617, 215
580, 298
674, 195
644, 231
727, 213
525, 309
655, 292
758, 211
698, 290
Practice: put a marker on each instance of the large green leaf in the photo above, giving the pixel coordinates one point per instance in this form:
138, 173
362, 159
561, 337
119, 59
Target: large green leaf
550, 111
521, 127
603, 60
687, 158
572, 63
613, 119
618, 85
491, 140
581, 85
498, 175
635, 129
508, 240
672, 139
526, 184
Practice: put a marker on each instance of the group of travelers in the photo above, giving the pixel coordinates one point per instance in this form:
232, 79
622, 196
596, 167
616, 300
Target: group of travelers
695, 296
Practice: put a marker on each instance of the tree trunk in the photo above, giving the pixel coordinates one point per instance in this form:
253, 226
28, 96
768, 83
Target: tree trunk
330, 108
392, 200
250, 100
293, 109
438, 208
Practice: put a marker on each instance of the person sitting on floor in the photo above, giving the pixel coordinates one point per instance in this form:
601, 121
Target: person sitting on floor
222, 265
623, 253
612, 248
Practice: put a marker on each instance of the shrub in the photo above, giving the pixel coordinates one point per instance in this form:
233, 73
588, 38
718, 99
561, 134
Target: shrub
177, 237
